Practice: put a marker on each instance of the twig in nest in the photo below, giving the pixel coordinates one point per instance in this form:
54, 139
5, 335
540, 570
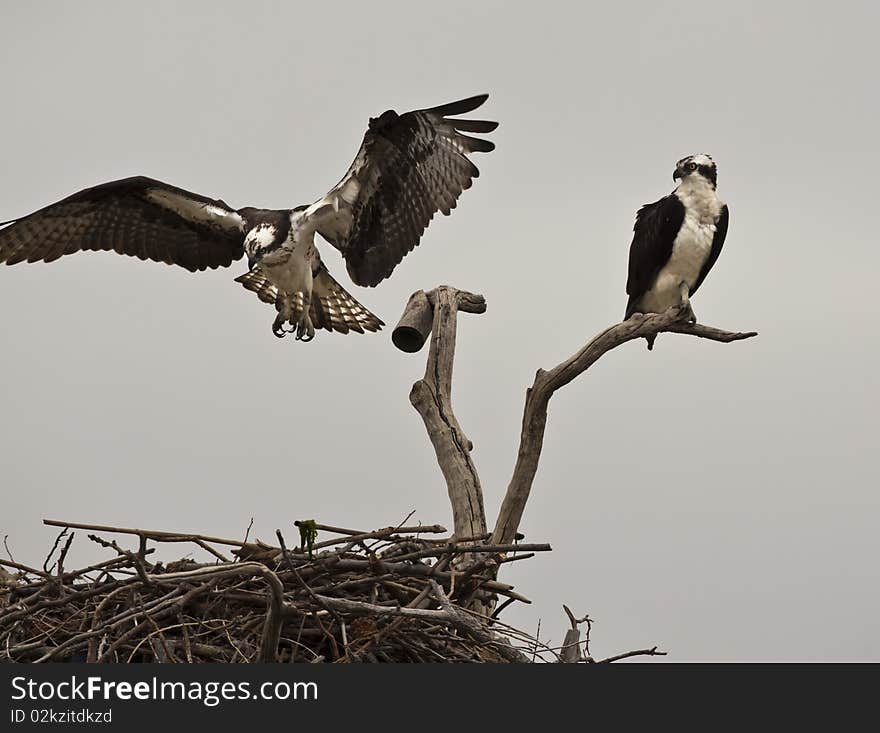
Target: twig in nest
46, 568
385, 533
216, 553
152, 534
248, 531
6, 547
652, 652
139, 564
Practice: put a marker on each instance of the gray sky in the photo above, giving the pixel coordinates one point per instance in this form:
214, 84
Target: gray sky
718, 500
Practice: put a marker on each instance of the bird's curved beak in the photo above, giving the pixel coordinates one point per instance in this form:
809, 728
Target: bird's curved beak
676, 174
254, 260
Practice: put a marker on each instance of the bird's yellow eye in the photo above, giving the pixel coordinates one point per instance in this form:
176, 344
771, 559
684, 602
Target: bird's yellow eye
692, 166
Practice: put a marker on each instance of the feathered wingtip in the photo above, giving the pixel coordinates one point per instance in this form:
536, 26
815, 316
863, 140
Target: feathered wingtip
459, 107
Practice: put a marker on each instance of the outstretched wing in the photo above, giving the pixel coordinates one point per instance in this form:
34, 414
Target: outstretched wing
717, 244
139, 217
332, 307
408, 167
654, 233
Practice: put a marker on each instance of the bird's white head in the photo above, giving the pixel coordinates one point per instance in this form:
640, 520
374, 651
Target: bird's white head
259, 240
697, 165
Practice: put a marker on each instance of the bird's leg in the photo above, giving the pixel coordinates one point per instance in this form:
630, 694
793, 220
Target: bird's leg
285, 314
305, 331
687, 312
302, 324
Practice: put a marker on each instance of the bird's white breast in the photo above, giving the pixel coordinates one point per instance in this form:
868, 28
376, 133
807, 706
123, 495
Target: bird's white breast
289, 268
690, 251
691, 247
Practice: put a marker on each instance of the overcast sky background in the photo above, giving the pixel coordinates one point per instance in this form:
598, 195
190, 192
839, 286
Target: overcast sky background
717, 500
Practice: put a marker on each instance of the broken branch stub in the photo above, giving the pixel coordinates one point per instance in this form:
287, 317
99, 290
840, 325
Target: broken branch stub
414, 326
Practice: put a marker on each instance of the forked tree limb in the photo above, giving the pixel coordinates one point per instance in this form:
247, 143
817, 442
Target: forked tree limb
432, 397
547, 382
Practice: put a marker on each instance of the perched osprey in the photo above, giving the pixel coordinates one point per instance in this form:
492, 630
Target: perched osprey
677, 240
408, 167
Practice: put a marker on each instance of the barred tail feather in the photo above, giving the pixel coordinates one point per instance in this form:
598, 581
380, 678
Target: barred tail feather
335, 309
332, 307
257, 283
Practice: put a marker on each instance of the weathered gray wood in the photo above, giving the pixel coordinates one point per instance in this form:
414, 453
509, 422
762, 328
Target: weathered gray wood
571, 653
432, 398
414, 326
547, 382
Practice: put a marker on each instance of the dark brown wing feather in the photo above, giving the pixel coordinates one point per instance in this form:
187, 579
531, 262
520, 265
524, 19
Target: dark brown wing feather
408, 167
654, 233
332, 307
140, 217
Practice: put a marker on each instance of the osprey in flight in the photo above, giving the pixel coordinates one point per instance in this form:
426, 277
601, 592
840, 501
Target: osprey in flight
408, 167
677, 240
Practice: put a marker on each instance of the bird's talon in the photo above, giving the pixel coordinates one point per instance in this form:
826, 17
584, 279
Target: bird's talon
687, 313
280, 329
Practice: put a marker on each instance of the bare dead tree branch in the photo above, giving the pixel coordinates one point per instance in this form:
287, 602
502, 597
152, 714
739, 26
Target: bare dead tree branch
548, 382
432, 398
435, 314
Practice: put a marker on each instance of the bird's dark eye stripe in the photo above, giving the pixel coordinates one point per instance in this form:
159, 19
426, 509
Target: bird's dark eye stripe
706, 170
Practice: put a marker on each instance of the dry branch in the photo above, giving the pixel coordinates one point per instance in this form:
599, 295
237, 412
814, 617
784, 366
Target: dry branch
652, 652
150, 534
432, 398
548, 382
435, 314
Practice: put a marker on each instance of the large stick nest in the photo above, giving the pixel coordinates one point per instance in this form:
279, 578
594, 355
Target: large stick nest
397, 594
